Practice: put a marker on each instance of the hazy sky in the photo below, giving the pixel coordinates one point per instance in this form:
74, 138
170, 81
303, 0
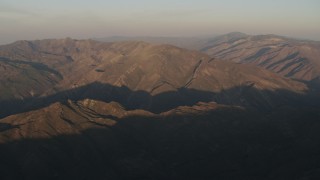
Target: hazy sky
38, 19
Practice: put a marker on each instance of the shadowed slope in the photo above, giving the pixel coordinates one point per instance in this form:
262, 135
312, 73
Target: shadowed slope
249, 96
90, 139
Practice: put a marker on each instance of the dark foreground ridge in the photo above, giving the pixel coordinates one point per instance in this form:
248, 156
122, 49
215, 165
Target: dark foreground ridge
224, 143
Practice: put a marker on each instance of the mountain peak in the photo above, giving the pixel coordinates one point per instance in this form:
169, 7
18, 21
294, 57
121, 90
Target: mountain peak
236, 34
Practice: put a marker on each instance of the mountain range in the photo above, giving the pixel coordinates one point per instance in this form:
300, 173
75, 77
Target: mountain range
289, 57
233, 107
292, 58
